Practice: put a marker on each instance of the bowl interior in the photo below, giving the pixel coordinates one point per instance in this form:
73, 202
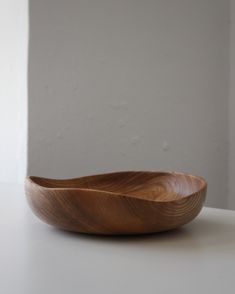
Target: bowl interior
159, 186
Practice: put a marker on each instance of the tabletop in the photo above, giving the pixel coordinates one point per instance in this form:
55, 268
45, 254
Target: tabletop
36, 258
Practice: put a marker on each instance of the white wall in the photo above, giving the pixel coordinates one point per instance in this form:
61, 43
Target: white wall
13, 102
231, 106
129, 84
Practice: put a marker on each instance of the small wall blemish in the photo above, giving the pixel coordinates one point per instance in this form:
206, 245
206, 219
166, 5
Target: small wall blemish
165, 146
122, 122
122, 105
58, 135
75, 89
135, 140
90, 117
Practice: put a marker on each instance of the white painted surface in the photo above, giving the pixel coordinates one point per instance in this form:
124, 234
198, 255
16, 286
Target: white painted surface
231, 106
116, 85
36, 258
13, 97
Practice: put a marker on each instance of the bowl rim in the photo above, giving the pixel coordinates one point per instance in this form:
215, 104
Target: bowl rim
30, 179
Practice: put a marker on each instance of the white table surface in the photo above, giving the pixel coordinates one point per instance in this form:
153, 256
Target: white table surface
36, 258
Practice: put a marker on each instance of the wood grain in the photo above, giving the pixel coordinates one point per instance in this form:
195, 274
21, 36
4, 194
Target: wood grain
132, 202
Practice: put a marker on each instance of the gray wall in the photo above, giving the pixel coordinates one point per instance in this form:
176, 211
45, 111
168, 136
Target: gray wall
116, 85
231, 104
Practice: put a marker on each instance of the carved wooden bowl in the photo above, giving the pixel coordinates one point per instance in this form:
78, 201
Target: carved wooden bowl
118, 203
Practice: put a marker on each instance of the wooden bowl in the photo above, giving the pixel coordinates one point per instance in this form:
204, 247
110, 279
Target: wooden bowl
118, 203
